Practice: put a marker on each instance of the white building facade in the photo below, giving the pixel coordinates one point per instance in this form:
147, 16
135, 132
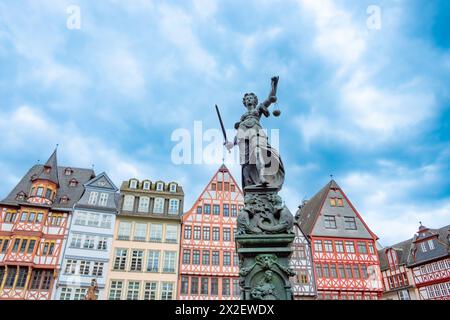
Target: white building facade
87, 250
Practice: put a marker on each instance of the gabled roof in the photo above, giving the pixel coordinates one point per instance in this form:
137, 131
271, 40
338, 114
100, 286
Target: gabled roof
402, 249
74, 193
308, 213
222, 169
50, 170
102, 177
442, 245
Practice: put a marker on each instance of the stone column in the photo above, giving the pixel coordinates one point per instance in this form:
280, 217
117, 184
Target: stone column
265, 233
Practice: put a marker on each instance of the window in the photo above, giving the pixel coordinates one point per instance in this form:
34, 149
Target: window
423, 247
89, 242
106, 221
215, 258
140, 232
5, 245
68, 171
302, 277
35, 279
184, 285
318, 270
65, 294
206, 233
76, 240
133, 184
194, 285
341, 271
226, 186
204, 286
371, 249
226, 258
233, 210
133, 290
213, 186
128, 202
236, 287
186, 256
167, 291
403, 295
71, 266
39, 217
10, 217
333, 202
97, 269
196, 257
174, 206
23, 245
349, 247
219, 186
81, 218
226, 234
328, 244
362, 247
199, 209
56, 219
207, 209
156, 232
318, 246
143, 204
102, 244
364, 271
31, 246
40, 191
49, 246
150, 290
214, 286
235, 259
23, 216
136, 260
216, 209
216, 234
330, 222
197, 232
159, 186
146, 185
173, 187
226, 286
153, 261
103, 199
93, 197
159, 206
169, 261
171, 233
84, 267
115, 290
348, 269
226, 210
326, 270
79, 294
205, 257
356, 271
22, 277
232, 188
120, 259
73, 183
32, 216
340, 202
187, 232
350, 223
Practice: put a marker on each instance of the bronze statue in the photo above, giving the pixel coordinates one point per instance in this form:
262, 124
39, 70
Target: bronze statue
90, 295
261, 164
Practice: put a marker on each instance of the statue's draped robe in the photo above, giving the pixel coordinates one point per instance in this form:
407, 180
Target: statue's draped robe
257, 157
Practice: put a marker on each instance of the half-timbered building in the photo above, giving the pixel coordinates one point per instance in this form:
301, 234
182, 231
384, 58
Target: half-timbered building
34, 220
209, 264
429, 260
397, 277
303, 286
346, 263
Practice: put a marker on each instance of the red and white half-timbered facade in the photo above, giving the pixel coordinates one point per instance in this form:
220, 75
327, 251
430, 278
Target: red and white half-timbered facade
209, 264
346, 263
34, 220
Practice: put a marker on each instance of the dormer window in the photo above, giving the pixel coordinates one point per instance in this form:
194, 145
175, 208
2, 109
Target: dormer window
146, 185
68, 171
431, 244
64, 199
21, 196
173, 187
40, 191
159, 186
48, 194
423, 246
133, 184
47, 169
392, 258
73, 182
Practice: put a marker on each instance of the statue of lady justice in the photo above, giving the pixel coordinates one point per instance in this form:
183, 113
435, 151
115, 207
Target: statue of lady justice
261, 164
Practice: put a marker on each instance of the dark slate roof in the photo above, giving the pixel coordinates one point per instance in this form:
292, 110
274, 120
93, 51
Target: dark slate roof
52, 175
442, 245
73, 193
403, 250
306, 215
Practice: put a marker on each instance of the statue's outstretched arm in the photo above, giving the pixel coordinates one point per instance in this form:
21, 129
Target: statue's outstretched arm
273, 93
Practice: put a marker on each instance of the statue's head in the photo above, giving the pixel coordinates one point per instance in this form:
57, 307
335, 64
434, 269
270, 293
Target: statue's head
268, 275
250, 100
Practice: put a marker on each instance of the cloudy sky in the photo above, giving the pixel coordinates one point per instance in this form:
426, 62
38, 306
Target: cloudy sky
369, 105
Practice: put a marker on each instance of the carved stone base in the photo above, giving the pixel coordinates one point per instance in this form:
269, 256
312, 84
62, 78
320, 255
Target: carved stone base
264, 266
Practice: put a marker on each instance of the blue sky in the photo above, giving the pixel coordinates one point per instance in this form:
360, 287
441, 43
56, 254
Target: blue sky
370, 107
